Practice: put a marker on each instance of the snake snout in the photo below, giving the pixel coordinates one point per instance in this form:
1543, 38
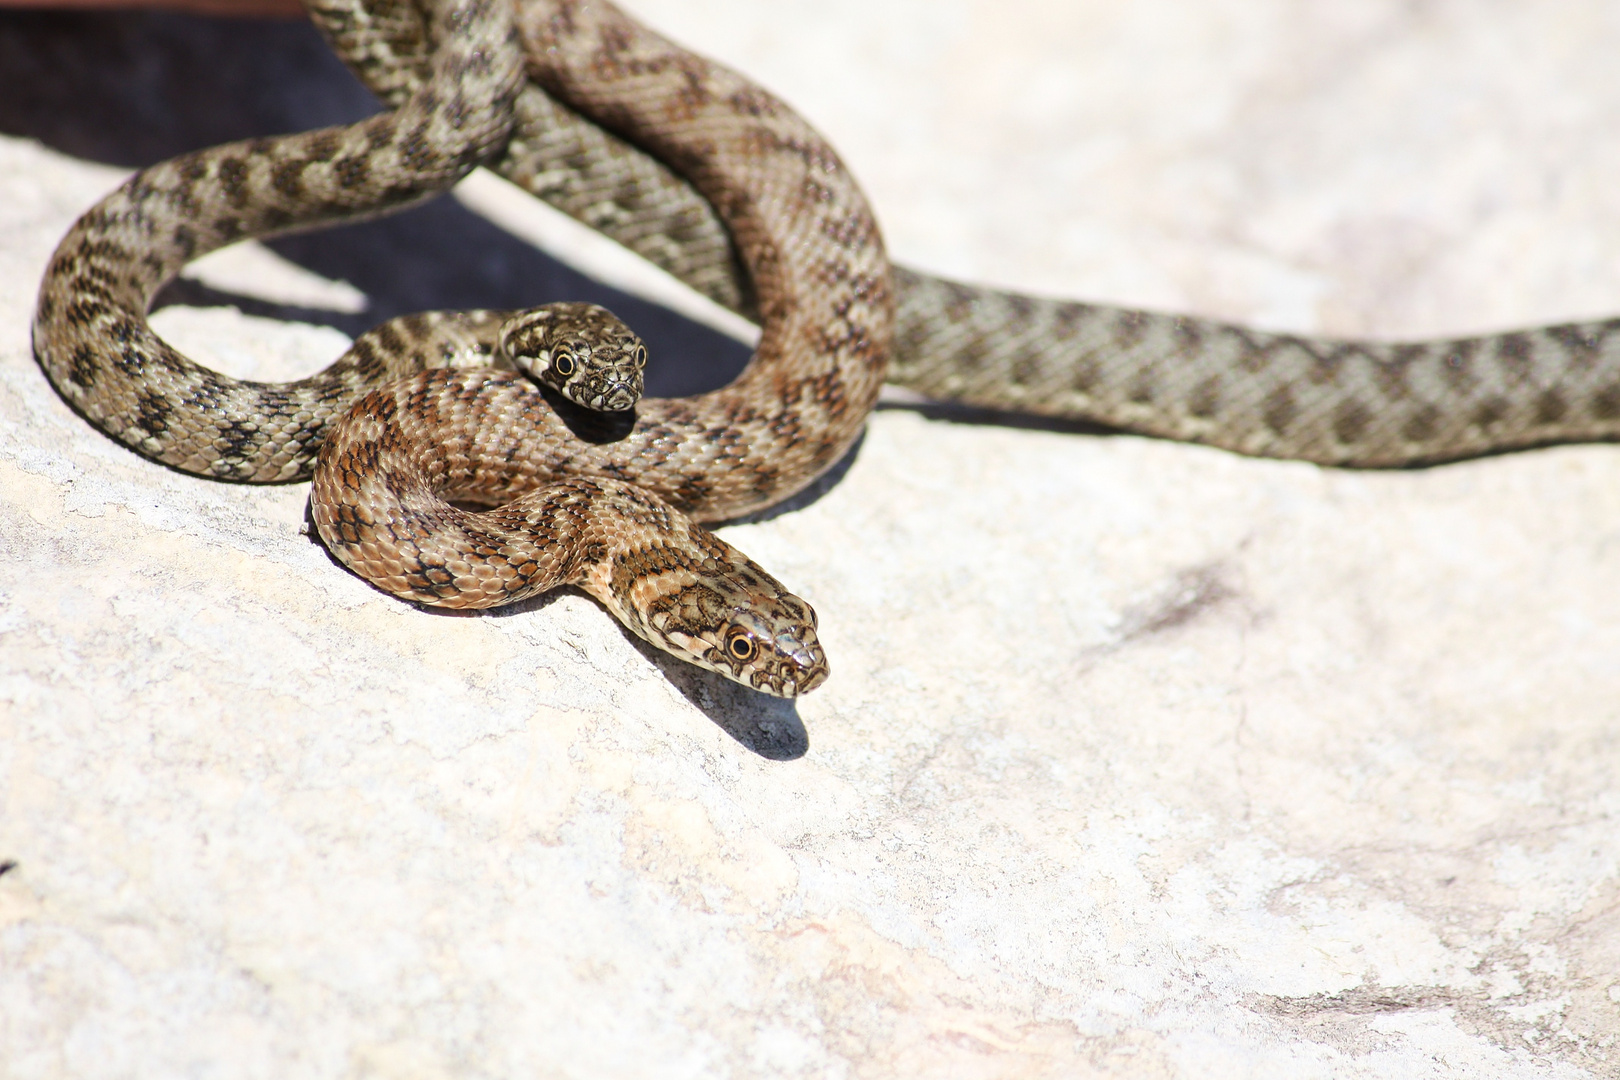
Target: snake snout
771, 646
814, 676
802, 665
619, 397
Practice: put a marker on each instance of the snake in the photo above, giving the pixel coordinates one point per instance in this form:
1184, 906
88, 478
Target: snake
1336, 402
758, 245
90, 331
449, 478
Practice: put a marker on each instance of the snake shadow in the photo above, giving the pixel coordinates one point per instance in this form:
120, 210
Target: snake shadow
768, 726
135, 88
765, 725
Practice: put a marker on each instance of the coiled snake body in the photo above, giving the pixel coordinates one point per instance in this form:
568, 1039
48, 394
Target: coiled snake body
1276, 395
721, 184
90, 330
611, 517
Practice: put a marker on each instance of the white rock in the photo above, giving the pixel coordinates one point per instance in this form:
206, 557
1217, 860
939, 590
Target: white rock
1137, 759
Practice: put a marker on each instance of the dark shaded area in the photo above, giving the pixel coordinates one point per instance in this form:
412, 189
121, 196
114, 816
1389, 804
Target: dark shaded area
7, 867
952, 412
769, 726
134, 88
589, 425
442, 255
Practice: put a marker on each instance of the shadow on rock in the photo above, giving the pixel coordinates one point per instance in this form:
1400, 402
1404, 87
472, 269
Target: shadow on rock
769, 726
133, 88
952, 412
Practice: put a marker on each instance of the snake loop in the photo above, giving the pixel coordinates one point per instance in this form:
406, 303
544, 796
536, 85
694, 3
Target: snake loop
615, 515
90, 330
390, 471
1274, 395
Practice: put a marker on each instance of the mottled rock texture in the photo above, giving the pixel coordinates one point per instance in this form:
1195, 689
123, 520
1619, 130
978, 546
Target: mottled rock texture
1137, 760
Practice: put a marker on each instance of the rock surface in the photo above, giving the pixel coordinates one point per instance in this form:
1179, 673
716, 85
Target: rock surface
1138, 759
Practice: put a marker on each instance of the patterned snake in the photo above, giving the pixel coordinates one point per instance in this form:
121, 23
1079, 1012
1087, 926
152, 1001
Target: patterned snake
1275, 395
611, 515
791, 242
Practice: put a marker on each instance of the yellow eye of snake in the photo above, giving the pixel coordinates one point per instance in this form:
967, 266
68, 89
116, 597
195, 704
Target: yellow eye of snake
741, 646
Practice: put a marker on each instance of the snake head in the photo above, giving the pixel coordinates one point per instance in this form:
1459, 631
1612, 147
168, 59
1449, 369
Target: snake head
582, 351
771, 648
750, 630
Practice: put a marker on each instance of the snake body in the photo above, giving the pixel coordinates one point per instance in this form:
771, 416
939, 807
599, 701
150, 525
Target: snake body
612, 514
1275, 395
90, 330
721, 183
818, 264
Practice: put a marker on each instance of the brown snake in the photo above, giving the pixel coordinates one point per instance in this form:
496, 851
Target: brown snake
1276, 395
792, 242
90, 330
609, 516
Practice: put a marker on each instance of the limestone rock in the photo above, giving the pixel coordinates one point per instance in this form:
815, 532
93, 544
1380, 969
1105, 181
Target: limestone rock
1137, 759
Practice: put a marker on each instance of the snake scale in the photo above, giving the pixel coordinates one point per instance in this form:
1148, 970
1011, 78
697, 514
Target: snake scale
613, 516
1276, 395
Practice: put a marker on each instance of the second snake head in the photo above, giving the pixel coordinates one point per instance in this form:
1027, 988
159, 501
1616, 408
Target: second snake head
582, 351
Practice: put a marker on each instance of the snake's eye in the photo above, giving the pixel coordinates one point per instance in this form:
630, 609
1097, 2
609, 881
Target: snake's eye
562, 362
641, 357
741, 646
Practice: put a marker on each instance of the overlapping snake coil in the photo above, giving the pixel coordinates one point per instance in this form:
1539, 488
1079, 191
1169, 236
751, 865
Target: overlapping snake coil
613, 517
1276, 395
720, 183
